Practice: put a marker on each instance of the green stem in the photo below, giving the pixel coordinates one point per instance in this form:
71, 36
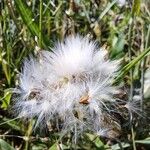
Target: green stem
40, 23
28, 133
142, 71
133, 138
131, 75
130, 55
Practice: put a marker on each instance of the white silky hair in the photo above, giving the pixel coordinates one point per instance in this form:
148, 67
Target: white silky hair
121, 2
59, 82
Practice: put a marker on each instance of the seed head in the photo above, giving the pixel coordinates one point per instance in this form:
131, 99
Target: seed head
71, 86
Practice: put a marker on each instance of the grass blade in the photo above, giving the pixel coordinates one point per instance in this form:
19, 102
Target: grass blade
131, 64
27, 17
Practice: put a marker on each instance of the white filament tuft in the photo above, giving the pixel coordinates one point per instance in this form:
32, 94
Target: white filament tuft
70, 86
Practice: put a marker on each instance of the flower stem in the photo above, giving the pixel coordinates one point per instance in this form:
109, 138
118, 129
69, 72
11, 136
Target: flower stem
28, 133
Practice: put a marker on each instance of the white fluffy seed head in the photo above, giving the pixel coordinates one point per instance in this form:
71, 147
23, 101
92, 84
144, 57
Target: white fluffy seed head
71, 85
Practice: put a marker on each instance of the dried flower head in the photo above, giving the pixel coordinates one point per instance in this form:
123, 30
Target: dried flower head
69, 88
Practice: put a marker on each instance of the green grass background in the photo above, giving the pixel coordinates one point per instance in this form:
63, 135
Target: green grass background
27, 26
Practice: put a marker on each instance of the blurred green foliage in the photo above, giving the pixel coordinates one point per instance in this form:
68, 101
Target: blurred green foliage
32, 25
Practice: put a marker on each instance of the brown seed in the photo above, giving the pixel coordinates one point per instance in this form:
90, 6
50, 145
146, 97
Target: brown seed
84, 99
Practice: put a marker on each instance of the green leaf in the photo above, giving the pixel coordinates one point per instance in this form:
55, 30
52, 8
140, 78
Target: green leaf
27, 17
108, 7
39, 146
131, 64
90, 136
117, 147
145, 141
11, 124
5, 146
118, 45
6, 99
136, 7
96, 140
99, 143
54, 146
6, 70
